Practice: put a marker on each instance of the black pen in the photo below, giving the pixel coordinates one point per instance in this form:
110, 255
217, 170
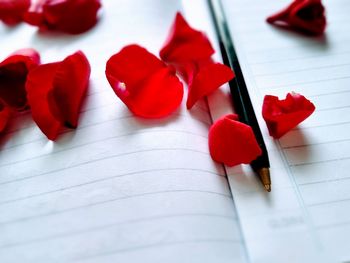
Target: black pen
239, 92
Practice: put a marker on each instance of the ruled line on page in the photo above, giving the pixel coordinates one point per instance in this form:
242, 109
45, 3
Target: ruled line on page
304, 127
90, 161
79, 128
296, 58
301, 70
156, 245
40, 216
300, 58
103, 159
61, 189
323, 161
103, 227
105, 140
326, 180
304, 82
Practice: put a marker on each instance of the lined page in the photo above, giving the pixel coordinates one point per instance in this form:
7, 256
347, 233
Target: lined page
306, 216
118, 188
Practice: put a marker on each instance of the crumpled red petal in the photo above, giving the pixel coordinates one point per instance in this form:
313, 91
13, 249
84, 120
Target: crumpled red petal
208, 79
307, 15
55, 93
232, 142
147, 86
70, 16
185, 43
283, 115
190, 51
12, 11
13, 75
5, 114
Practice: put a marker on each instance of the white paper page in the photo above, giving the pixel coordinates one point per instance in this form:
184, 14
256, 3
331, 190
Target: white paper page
118, 188
306, 216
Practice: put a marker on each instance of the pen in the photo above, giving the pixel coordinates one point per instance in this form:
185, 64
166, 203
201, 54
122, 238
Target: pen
239, 92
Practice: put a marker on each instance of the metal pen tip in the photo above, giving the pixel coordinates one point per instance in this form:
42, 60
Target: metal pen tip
264, 174
267, 187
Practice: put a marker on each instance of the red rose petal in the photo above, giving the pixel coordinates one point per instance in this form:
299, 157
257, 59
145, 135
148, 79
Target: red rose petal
70, 84
132, 65
70, 16
12, 11
190, 52
283, 115
307, 15
55, 93
208, 79
185, 43
5, 114
232, 142
13, 75
38, 86
145, 84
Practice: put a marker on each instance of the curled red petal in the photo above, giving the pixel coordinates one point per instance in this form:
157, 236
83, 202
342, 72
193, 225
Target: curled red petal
55, 92
12, 11
283, 115
70, 16
145, 84
13, 75
185, 43
189, 51
70, 84
5, 114
38, 86
307, 15
208, 79
232, 142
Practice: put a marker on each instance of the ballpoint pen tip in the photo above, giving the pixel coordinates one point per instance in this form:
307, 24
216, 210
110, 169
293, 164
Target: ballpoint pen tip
267, 187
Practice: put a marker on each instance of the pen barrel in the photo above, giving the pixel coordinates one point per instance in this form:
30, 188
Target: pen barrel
239, 92
245, 110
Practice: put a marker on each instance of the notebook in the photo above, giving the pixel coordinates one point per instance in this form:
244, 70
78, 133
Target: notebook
125, 189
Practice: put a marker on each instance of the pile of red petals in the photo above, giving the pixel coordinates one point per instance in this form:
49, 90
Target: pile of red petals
54, 91
150, 88
283, 115
13, 76
232, 142
12, 11
147, 86
190, 52
306, 15
70, 16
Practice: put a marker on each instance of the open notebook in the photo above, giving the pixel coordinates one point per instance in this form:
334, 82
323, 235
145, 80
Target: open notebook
123, 189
